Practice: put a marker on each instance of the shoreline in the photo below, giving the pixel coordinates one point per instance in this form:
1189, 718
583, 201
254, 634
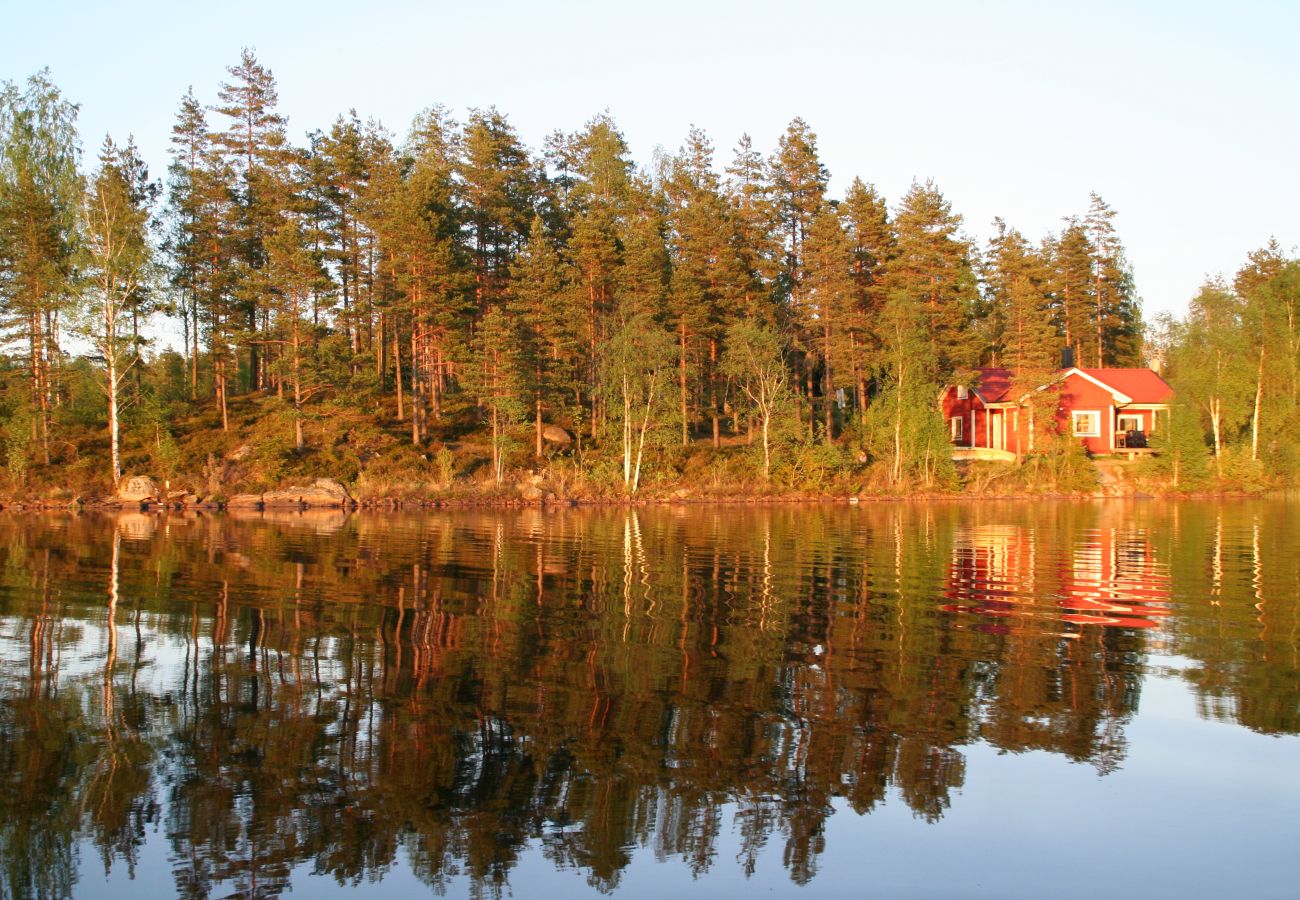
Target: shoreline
483, 503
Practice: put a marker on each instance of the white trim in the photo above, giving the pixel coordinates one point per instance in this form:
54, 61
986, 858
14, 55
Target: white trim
955, 428
1074, 423
1119, 396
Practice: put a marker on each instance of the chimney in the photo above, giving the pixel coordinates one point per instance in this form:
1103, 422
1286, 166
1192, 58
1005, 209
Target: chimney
1067, 357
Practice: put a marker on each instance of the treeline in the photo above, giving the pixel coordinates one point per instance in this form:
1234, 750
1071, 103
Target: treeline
459, 281
1235, 362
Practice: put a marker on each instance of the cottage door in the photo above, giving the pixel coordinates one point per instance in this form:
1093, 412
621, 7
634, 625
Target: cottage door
998, 421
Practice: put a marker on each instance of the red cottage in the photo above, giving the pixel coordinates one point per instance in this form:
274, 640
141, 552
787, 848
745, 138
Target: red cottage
1109, 410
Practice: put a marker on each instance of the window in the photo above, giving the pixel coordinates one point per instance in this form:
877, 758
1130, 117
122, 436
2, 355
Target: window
954, 428
1130, 423
1087, 423
962, 392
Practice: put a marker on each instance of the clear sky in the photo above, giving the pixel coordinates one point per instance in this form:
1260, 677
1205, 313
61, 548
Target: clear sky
1182, 115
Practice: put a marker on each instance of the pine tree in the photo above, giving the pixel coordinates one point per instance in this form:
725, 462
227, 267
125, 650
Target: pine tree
709, 277
1070, 281
830, 309
493, 377
192, 228
866, 217
548, 349
798, 181
257, 155
1117, 318
40, 191
1023, 338
497, 184
294, 271
932, 269
749, 195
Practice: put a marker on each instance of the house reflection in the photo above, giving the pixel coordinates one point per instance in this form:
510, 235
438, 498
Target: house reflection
1108, 576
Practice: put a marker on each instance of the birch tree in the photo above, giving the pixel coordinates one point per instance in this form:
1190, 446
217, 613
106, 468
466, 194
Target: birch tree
116, 213
636, 372
754, 360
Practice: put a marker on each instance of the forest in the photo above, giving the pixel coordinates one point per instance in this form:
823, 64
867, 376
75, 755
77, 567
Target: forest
453, 311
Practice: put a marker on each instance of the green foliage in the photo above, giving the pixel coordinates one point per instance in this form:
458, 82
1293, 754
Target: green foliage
17, 437
496, 289
1182, 458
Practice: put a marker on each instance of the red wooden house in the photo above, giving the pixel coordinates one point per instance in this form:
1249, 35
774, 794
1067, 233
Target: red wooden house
1109, 410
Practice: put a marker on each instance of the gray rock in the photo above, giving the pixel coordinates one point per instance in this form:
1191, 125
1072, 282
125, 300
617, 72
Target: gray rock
324, 492
554, 434
245, 501
138, 488
530, 492
240, 453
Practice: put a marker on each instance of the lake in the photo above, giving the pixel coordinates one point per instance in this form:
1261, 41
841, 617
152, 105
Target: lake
1056, 698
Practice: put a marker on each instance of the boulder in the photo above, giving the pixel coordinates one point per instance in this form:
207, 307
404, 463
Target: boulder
323, 492
245, 501
138, 488
554, 434
531, 492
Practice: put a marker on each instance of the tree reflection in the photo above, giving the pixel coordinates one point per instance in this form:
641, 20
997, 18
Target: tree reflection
459, 690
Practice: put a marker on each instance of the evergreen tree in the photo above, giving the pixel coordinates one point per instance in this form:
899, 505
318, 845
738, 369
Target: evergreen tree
493, 377
709, 276
1117, 320
1022, 335
932, 269
193, 233
40, 192
294, 271
1070, 282
831, 313
749, 195
798, 190
866, 218
548, 349
497, 184
257, 154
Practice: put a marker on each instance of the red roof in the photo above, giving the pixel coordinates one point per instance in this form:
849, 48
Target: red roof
993, 385
1139, 385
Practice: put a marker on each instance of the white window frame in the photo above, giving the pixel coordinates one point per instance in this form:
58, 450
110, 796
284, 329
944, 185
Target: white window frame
955, 428
1076, 414
1119, 423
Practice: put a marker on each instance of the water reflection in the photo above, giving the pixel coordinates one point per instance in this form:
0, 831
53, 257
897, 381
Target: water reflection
459, 690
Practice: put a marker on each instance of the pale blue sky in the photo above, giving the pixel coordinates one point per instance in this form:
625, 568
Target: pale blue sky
1182, 115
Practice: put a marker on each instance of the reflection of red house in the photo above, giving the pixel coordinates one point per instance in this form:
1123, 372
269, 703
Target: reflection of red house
1107, 409
1107, 576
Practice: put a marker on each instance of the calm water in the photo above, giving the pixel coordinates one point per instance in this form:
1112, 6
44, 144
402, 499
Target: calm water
1055, 699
